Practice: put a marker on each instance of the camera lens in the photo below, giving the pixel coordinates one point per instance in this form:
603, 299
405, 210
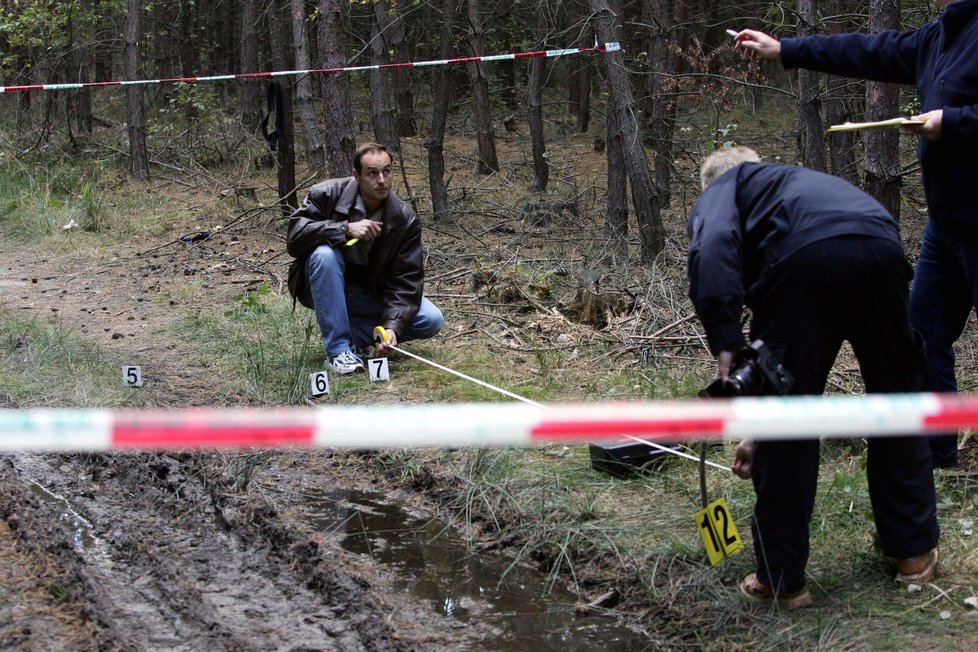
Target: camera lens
742, 381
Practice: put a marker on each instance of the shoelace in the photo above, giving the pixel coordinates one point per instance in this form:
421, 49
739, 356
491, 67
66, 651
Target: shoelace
348, 357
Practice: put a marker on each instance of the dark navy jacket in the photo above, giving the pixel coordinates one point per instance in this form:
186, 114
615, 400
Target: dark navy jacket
941, 59
752, 218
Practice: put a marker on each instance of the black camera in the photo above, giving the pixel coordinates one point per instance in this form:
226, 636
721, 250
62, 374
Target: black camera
755, 371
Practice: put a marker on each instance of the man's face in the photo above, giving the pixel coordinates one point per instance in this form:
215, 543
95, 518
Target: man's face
374, 178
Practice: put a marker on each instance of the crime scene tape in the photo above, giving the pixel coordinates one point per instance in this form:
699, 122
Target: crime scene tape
607, 47
484, 424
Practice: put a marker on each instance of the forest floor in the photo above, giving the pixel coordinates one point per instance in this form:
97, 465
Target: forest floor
170, 551
181, 551
146, 552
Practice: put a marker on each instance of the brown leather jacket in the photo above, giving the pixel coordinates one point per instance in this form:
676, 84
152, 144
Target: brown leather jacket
395, 270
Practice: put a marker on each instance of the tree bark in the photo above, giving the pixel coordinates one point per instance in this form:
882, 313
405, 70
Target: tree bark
667, 17
189, 61
810, 141
882, 146
645, 201
249, 92
439, 115
284, 148
487, 162
616, 220
83, 96
382, 109
315, 156
340, 143
138, 156
842, 144
579, 83
401, 78
541, 169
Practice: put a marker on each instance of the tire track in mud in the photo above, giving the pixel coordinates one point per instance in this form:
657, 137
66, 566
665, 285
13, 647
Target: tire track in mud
178, 558
167, 567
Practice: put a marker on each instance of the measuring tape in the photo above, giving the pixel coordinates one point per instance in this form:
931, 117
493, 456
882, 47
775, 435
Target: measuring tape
381, 337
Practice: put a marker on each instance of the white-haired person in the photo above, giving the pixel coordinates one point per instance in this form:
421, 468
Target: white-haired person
818, 262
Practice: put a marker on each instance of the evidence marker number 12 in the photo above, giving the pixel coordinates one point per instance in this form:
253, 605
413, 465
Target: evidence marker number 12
717, 529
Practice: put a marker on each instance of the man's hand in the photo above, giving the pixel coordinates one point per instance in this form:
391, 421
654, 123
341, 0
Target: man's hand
724, 361
931, 129
742, 459
383, 348
364, 229
757, 45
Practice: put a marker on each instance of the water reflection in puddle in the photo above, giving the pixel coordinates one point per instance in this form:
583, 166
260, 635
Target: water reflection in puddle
434, 564
82, 539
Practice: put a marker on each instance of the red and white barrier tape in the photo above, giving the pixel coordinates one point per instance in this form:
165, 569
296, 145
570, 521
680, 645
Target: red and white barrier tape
607, 47
484, 424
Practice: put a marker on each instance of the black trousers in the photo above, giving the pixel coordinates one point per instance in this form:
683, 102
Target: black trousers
852, 288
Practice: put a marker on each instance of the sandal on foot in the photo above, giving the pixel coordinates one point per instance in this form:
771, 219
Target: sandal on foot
917, 570
788, 601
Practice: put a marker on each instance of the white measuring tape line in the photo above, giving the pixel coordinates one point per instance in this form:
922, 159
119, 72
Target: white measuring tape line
381, 334
486, 424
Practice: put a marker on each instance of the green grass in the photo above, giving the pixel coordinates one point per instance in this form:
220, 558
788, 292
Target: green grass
263, 351
44, 364
67, 204
575, 523
639, 535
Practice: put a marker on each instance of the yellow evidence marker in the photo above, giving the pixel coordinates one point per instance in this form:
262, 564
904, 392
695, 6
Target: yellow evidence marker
717, 529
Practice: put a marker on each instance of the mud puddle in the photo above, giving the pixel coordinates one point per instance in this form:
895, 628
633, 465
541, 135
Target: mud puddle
433, 563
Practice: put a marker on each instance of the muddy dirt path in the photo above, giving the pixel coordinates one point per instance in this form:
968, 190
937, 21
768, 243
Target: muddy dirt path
178, 552
164, 552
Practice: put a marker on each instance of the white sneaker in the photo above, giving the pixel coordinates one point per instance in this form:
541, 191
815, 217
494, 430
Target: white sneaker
347, 362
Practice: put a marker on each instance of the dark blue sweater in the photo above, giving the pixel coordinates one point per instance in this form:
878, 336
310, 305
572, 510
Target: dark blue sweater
753, 217
941, 59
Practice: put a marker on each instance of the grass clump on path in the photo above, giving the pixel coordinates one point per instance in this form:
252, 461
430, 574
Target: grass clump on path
43, 364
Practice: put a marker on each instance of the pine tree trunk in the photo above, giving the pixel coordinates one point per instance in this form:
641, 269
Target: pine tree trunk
284, 154
842, 144
810, 141
488, 163
315, 156
882, 146
616, 221
138, 157
402, 78
82, 98
439, 115
382, 110
668, 16
645, 201
340, 143
249, 91
579, 83
541, 169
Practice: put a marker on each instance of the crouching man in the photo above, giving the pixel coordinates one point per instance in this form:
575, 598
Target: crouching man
817, 261
358, 262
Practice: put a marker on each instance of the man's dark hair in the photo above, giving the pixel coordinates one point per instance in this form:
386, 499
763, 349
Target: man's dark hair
365, 149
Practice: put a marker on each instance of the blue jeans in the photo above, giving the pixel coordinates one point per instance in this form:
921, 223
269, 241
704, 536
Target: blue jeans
347, 312
945, 289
